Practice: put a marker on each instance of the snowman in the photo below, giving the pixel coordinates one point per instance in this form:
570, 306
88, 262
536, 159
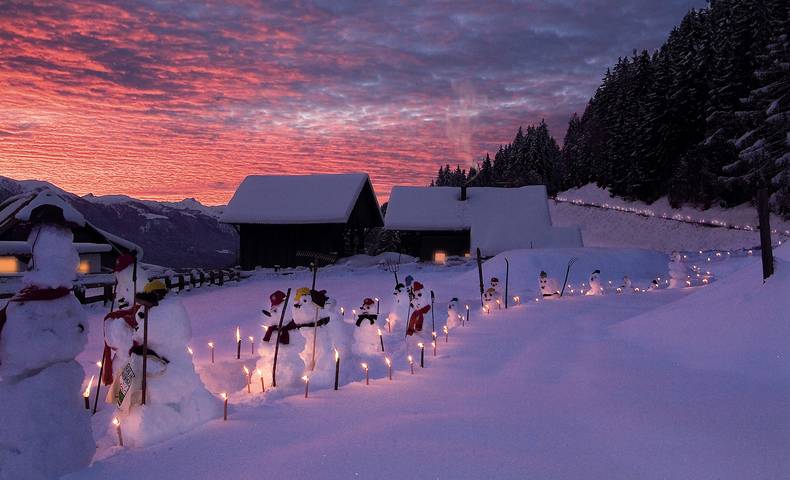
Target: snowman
290, 366
489, 300
398, 312
626, 287
495, 287
176, 400
548, 286
45, 432
678, 274
654, 284
595, 284
121, 327
330, 334
420, 307
366, 333
454, 314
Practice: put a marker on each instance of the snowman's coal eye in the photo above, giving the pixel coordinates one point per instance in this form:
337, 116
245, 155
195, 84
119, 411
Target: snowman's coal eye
419, 294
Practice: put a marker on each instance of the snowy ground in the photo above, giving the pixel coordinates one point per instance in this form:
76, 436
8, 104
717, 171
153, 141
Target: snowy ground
616, 386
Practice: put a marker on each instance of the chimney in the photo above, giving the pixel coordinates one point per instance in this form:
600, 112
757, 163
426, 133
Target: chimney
463, 193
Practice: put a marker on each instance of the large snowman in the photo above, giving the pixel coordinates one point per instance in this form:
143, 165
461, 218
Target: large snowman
290, 365
176, 399
321, 341
366, 333
44, 430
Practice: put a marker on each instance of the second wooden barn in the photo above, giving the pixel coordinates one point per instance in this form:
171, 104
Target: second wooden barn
278, 215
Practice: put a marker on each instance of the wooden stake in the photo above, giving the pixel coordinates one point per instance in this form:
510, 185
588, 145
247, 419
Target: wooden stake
480, 274
764, 217
507, 280
277, 341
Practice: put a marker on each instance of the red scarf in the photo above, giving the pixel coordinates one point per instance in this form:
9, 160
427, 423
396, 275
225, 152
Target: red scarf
416, 319
33, 294
130, 317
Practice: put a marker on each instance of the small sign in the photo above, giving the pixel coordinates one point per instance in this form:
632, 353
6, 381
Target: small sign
126, 379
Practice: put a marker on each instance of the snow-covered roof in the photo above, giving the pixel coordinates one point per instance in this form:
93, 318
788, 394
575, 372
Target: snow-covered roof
498, 219
19, 208
296, 199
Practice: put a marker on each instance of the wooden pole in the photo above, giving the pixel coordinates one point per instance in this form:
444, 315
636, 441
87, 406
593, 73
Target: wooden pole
101, 367
507, 279
145, 351
433, 323
277, 340
480, 275
764, 217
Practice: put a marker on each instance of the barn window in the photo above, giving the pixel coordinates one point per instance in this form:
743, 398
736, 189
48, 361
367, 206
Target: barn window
440, 257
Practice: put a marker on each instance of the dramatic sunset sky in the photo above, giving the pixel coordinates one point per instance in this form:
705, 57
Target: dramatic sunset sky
166, 100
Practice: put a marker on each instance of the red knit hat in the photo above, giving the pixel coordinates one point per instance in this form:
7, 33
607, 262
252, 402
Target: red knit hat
123, 261
277, 298
368, 301
416, 286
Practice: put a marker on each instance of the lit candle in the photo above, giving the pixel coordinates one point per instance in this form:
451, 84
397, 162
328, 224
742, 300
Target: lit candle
411, 364
306, 381
467, 314
381, 339
117, 424
260, 374
337, 368
238, 344
422, 354
433, 344
498, 305
189, 351
252, 345
389, 325
342, 312
367, 376
446, 333
225, 407
377, 305
87, 393
211, 347
247, 377
389, 366
486, 309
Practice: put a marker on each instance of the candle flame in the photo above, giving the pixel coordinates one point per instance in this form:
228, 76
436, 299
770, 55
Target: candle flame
238, 334
210, 344
353, 311
467, 307
189, 349
258, 371
421, 345
342, 310
364, 365
224, 395
411, 359
87, 392
116, 422
337, 355
246, 370
389, 362
252, 339
433, 334
305, 378
379, 330
376, 299
98, 364
444, 329
433, 344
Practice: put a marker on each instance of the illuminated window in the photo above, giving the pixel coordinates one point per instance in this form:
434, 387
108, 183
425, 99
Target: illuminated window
9, 265
439, 257
85, 266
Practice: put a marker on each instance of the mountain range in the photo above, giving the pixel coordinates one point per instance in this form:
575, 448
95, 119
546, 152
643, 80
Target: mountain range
185, 234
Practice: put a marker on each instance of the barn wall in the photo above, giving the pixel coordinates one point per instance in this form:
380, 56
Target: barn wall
423, 244
270, 245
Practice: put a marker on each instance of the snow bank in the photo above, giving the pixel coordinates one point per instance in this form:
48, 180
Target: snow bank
738, 325
641, 266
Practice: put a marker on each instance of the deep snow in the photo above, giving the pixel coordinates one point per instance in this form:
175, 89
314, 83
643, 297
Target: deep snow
582, 387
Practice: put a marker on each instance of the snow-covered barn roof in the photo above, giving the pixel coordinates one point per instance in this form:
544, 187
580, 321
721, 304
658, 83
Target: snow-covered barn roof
498, 219
297, 199
20, 208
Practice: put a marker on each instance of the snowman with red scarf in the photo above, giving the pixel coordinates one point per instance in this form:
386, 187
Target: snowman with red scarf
420, 309
290, 366
44, 432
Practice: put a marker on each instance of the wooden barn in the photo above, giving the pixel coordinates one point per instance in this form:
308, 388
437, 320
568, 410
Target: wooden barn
436, 222
98, 249
278, 215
